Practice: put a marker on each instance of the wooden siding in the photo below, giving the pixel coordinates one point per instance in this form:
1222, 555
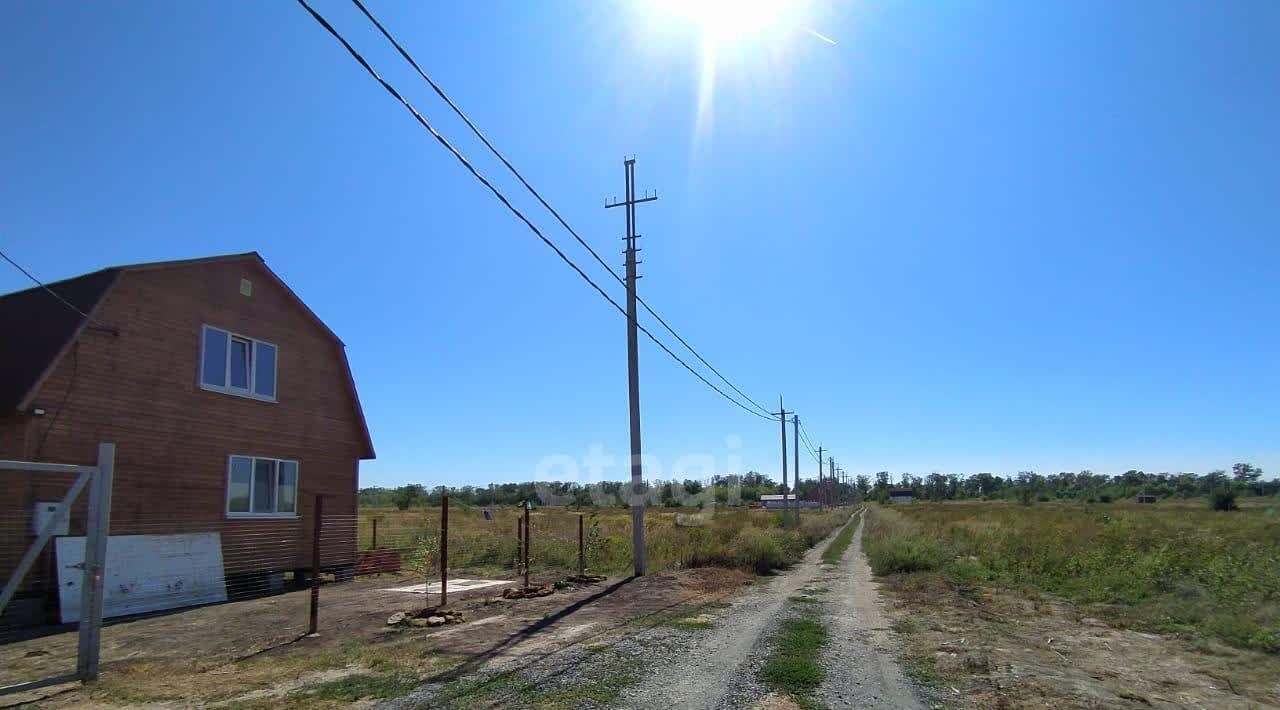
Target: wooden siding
140, 390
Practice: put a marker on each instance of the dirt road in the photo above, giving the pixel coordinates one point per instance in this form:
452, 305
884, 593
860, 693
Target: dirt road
697, 650
720, 668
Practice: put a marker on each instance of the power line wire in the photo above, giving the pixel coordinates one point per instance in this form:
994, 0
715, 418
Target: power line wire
498, 154
40, 283
804, 436
503, 199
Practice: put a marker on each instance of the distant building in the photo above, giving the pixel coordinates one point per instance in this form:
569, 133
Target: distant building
776, 502
1145, 498
901, 495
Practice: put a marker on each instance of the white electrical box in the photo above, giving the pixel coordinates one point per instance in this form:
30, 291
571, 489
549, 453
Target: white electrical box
46, 510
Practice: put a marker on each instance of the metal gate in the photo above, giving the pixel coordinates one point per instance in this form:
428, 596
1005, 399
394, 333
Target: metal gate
98, 479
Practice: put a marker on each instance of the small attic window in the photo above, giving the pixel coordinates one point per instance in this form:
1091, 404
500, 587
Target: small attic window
246, 287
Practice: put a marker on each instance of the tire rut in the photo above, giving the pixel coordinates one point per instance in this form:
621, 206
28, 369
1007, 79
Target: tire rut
718, 669
861, 671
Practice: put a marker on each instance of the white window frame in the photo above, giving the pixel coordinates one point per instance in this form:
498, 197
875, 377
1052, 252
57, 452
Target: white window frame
297, 488
253, 366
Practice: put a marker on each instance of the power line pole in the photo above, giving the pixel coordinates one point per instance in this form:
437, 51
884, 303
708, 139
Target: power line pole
822, 482
633, 365
795, 436
835, 479
782, 418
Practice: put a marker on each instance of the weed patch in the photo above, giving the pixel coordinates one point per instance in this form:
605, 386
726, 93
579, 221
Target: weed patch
792, 666
837, 547
361, 686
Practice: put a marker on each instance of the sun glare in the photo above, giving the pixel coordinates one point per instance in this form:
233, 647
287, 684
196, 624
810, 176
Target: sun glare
744, 44
727, 21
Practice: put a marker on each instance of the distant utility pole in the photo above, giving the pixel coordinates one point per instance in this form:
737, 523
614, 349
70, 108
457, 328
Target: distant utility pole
795, 436
822, 483
831, 473
782, 418
633, 364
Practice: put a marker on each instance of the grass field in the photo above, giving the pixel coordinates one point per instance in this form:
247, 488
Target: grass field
1173, 568
747, 539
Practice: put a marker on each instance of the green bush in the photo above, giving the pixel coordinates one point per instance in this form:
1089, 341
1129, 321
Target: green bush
908, 555
1223, 499
894, 544
758, 550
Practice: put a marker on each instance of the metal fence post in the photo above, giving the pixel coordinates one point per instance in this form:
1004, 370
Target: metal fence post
95, 559
582, 550
527, 535
315, 567
444, 551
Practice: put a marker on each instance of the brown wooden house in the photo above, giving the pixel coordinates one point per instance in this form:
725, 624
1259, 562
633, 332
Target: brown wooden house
231, 405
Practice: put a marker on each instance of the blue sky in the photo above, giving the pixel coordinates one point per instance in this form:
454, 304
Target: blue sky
967, 237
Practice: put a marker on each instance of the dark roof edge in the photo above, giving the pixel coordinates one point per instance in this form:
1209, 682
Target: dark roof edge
148, 266
92, 312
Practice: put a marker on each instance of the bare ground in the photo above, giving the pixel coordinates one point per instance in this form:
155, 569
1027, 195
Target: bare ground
253, 652
720, 668
1004, 649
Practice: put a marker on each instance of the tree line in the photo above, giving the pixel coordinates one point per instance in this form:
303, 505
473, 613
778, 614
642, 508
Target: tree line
1243, 479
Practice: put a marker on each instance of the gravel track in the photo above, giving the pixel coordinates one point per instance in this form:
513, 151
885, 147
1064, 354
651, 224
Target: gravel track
719, 668
861, 670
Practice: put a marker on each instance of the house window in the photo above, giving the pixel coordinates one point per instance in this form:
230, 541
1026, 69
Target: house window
236, 364
261, 486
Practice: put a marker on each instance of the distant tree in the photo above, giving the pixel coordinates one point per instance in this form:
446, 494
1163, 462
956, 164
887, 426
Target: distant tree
936, 487
582, 498
1245, 473
408, 496
668, 494
1213, 480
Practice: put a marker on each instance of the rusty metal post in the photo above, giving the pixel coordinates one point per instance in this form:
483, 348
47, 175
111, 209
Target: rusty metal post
519, 544
527, 535
375, 534
315, 567
582, 550
444, 551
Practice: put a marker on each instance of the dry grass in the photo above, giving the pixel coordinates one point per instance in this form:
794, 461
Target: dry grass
1178, 569
675, 539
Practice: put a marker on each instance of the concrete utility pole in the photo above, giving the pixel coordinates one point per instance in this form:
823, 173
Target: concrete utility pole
633, 365
822, 482
782, 419
835, 475
795, 436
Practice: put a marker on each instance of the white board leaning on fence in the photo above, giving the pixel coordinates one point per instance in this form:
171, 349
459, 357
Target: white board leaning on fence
146, 573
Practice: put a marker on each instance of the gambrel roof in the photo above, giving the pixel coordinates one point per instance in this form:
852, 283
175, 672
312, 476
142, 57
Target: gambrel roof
36, 328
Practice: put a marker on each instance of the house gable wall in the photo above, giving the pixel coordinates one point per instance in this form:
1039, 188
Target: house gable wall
140, 390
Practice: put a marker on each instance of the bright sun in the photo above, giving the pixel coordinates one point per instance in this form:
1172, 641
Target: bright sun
751, 40
723, 22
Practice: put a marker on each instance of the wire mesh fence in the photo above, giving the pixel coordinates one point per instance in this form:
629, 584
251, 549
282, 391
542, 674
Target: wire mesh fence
202, 596
209, 594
